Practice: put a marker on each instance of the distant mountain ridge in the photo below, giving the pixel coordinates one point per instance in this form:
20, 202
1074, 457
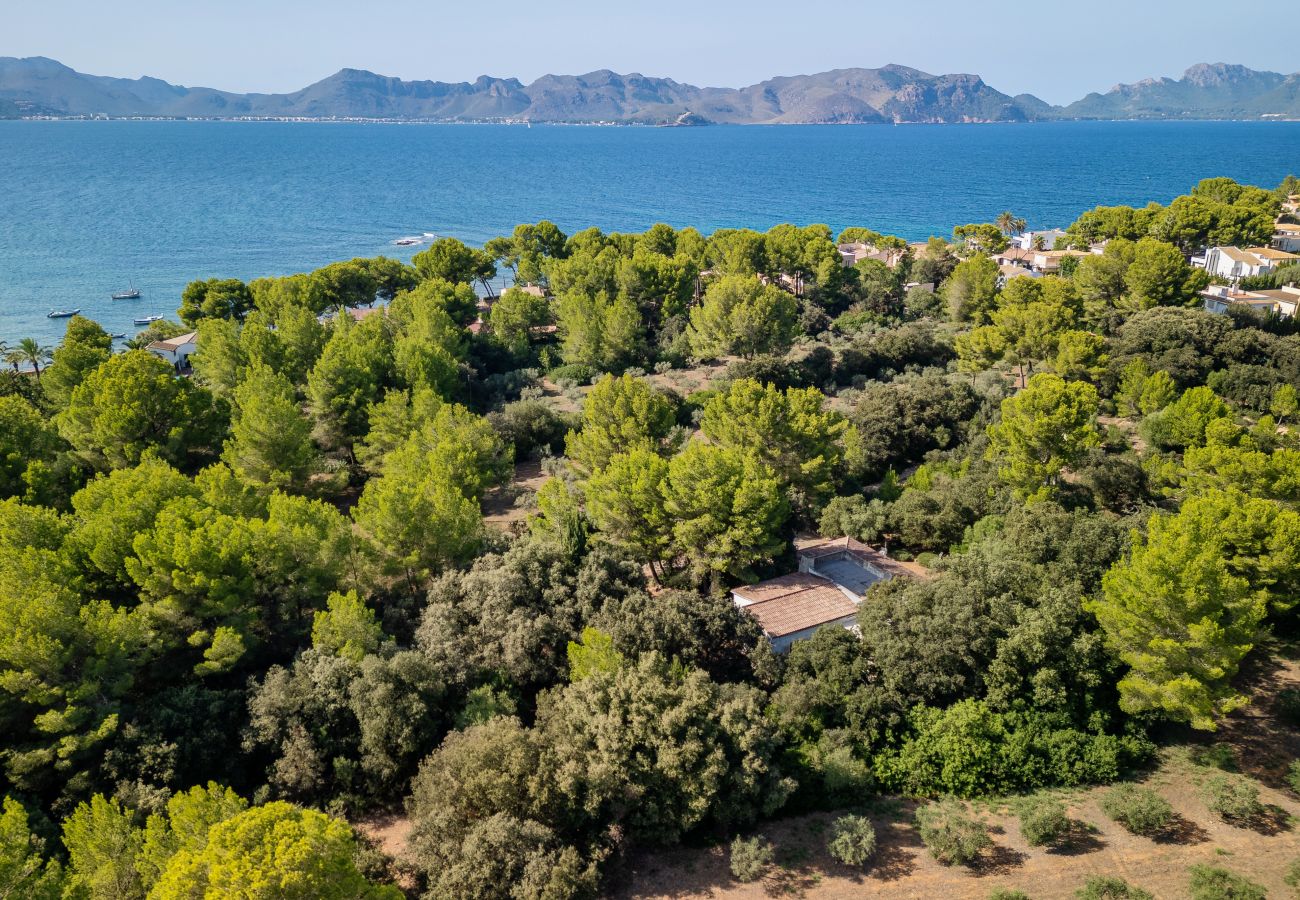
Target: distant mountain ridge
892, 93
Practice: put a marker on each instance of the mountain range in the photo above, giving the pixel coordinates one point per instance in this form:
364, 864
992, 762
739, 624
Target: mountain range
37, 86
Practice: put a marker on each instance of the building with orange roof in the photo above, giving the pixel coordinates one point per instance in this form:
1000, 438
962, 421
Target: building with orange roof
832, 579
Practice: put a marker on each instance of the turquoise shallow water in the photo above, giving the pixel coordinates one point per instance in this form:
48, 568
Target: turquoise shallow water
87, 208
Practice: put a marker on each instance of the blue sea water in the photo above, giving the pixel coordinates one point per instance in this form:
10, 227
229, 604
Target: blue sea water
87, 208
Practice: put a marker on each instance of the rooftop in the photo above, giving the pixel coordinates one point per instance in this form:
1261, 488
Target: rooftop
175, 343
794, 603
864, 554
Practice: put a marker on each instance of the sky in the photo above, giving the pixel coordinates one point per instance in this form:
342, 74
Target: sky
1058, 51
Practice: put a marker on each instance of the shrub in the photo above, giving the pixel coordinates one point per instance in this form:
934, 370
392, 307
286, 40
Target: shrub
951, 835
750, 857
1004, 894
1043, 821
852, 841
1216, 756
1232, 798
573, 374
1293, 776
1212, 883
1108, 887
1140, 810
1293, 876
1288, 705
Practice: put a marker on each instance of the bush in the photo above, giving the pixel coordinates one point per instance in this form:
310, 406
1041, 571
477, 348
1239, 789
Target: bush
1216, 756
1232, 798
750, 857
1140, 810
1004, 894
951, 835
1108, 887
531, 426
1293, 776
571, 375
1212, 883
1043, 821
853, 840
1293, 876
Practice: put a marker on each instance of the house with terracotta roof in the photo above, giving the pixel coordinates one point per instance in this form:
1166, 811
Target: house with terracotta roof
833, 576
176, 350
852, 254
1048, 262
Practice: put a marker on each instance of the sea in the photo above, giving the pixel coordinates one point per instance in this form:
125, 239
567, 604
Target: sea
88, 208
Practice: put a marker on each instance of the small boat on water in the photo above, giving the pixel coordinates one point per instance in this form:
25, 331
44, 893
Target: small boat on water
62, 313
408, 241
129, 294
146, 320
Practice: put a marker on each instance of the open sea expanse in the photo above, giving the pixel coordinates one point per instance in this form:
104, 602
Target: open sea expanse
88, 208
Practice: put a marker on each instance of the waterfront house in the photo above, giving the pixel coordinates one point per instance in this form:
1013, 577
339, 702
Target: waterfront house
1284, 301
852, 254
1048, 262
830, 582
1007, 271
1235, 263
1286, 237
1036, 240
1014, 256
176, 350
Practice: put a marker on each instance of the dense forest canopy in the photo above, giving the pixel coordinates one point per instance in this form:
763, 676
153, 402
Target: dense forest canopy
245, 603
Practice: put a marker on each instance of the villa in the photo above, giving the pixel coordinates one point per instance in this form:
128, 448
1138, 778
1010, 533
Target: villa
1234, 263
176, 350
1283, 301
831, 580
1286, 237
1038, 240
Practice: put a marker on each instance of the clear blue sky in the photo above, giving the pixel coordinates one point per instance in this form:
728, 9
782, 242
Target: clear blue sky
1059, 51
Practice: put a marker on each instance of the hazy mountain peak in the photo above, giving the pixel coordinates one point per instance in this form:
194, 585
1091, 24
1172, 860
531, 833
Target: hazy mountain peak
891, 93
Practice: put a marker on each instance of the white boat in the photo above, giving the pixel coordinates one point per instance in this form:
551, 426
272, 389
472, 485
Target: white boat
130, 294
62, 313
408, 241
146, 320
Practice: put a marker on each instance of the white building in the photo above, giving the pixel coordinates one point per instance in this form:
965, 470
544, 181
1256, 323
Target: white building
1030, 240
176, 350
1234, 263
1284, 301
1286, 238
832, 578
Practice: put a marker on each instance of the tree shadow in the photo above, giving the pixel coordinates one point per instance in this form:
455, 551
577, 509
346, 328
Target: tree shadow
998, 860
1181, 830
1079, 839
1269, 821
892, 862
789, 882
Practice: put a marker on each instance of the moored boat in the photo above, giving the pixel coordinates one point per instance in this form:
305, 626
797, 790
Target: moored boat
129, 294
146, 320
62, 313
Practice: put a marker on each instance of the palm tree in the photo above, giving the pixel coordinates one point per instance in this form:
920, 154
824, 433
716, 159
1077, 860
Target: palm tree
1018, 225
1006, 222
29, 351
